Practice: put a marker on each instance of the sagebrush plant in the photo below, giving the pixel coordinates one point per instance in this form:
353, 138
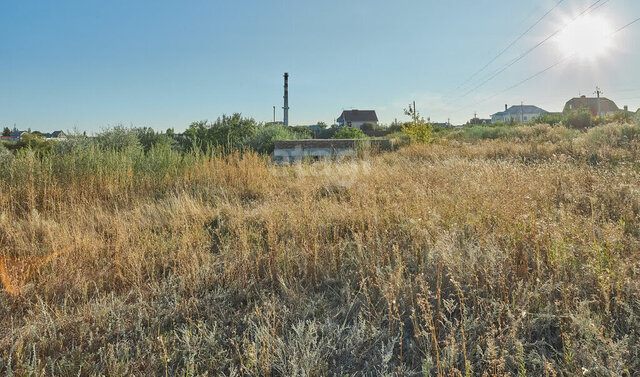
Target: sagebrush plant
510, 256
419, 130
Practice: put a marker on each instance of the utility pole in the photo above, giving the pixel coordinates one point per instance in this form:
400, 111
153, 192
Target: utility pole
274, 114
598, 91
414, 109
286, 99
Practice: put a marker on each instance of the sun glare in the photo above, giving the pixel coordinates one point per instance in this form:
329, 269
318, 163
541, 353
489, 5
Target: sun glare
588, 38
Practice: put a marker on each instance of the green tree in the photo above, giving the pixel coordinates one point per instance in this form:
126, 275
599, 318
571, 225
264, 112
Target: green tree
118, 138
579, 119
622, 117
148, 138
418, 129
265, 137
349, 133
227, 131
6, 132
367, 127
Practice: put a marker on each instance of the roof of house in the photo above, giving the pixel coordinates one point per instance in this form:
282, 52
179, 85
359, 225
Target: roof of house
521, 109
17, 133
358, 116
591, 103
54, 134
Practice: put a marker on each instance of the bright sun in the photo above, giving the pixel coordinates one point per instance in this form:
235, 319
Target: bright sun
588, 38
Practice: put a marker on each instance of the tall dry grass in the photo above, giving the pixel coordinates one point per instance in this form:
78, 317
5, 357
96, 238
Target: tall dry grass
499, 257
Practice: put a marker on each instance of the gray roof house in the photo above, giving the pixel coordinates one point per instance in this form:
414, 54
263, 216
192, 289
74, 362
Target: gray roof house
356, 118
518, 113
54, 135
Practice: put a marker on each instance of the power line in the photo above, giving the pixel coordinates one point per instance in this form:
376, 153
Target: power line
531, 49
523, 81
510, 45
557, 63
626, 26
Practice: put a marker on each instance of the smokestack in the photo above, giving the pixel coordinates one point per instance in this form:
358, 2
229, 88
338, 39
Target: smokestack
506, 107
286, 99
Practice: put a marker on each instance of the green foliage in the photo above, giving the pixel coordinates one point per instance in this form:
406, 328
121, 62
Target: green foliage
349, 133
265, 136
228, 132
6, 132
301, 132
551, 119
148, 138
367, 127
328, 133
418, 129
401, 139
578, 119
395, 127
622, 117
38, 144
118, 139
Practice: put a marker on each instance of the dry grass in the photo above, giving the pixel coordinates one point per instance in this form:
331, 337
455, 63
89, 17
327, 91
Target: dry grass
503, 257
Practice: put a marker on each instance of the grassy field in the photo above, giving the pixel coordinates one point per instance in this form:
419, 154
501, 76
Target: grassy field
510, 254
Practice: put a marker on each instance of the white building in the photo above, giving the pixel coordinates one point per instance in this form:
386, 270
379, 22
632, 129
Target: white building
518, 114
356, 118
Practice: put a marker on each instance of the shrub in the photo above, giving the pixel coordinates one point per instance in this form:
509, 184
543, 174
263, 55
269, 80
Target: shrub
148, 138
367, 127
622, 117
551, 119
328, 133
265, 136
229, 132
349, 133
118, 139
418, 129
579, 119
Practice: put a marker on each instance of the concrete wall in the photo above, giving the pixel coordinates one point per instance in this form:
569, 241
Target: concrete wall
323, 149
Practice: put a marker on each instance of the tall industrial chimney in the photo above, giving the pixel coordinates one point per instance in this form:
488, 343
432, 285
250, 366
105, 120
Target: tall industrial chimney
286, 99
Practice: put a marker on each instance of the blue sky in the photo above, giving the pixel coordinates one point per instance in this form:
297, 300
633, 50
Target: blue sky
95, 64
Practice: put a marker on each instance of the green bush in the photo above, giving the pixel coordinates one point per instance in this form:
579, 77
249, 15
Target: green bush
118, 139
36, 143
622, 117
367, 127
418, 129
328, 133
349, 133
265, 136
549, 118
228, 132
148, 138
579, 119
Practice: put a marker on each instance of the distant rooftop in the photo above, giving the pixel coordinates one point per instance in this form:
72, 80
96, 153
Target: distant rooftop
358, 116
518, 109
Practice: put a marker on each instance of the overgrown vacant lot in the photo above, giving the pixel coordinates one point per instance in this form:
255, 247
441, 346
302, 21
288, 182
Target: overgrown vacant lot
516, 256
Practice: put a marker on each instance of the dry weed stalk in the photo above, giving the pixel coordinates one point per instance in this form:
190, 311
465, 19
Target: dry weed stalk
16, 272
